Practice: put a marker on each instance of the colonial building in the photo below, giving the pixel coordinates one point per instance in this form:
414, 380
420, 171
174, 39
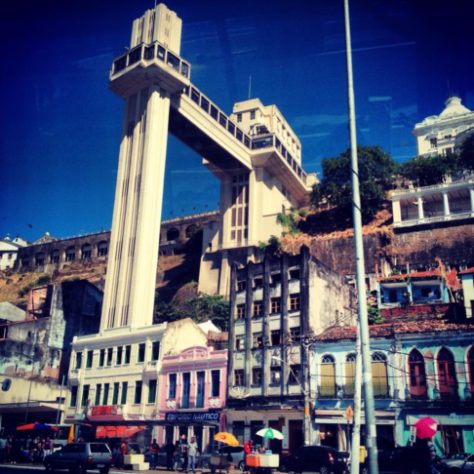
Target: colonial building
35, 350
276, 307
193, 395
422, 365
9, 251
467, 279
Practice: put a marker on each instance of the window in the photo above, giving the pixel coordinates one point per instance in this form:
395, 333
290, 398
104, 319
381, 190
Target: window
241, 285
257, 340
73, 401
257, 283
200, 390
89, 360
128, 350
172, 386
86, 251
295, 334
239, 377
102, 249
275, 305
239, 117
470, 368
295, 375
275, 279
70, 254
257, 376
152, 391
119, 355
115, 393
215, 383
276, 338
54, 256
101, 358
138, 392
433, 142
252, 114
186, 387
110, 354
78, 360
275, 375
294, 302
349, 374
257, 309
85, 395
98, 391
155, 350
105, 399
39, 258
447, 383
239, 343
141, 352
240, 311
417, 375
123, 399
328, 377
379, 374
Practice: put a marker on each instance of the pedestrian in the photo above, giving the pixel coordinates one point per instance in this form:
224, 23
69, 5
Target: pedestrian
154, 448
48, 447
169, 450
192, 451
3, 448
123, 451
183, 447
177, 455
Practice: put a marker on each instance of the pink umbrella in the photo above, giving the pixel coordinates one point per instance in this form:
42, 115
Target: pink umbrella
426, 428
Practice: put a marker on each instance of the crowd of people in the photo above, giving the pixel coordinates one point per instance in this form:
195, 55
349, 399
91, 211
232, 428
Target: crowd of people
30, 449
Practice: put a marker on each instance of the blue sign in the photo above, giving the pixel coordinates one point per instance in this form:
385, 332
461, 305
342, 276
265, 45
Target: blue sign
193, 417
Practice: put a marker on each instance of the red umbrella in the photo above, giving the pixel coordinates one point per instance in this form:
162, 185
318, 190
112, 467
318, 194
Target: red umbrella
426, 428
37, 426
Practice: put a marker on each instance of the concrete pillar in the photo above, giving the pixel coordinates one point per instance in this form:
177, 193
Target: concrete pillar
131, 271
248, 323
396, 212
254, 208
266, 353
231, 345
446, 204
421, 214
226, 210
471, 193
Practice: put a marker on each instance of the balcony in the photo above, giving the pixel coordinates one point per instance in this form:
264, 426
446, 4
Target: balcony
150, 367
74, 374
128, 74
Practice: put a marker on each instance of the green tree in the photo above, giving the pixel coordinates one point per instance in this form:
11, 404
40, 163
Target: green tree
374, 316
466, 156
425, 170
376, 172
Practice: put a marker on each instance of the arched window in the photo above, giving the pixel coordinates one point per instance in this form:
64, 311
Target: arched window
328, 377
379, 374
417, 374
191, 230
39, 259
172, 234
447, 383
102, 249
470, 368
54, 256
70, 254
349, 374
86, 251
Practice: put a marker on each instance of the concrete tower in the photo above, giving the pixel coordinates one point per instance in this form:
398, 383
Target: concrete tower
133, 256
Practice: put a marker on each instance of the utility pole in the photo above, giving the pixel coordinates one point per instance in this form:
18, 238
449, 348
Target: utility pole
371, 434
355, 441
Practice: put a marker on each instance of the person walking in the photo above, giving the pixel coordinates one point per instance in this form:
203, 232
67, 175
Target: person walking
169, 450
192, 453
183, 451
123, 451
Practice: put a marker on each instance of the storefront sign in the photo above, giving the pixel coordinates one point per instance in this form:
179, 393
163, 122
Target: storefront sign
193, 417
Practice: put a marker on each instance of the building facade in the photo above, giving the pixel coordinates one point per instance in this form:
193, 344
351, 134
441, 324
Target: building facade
467, 280
193, 395
276, 308
9, 251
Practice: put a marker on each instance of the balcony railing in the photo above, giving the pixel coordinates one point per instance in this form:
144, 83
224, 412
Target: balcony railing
151, 52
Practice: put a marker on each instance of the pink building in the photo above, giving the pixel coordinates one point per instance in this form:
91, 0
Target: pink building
192, 395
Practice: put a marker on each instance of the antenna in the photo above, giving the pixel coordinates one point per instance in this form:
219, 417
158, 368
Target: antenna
250, 86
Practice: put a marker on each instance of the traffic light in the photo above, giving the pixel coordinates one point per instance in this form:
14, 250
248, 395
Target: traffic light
6, 384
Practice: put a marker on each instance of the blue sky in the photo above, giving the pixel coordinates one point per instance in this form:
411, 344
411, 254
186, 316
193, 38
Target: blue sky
61, 125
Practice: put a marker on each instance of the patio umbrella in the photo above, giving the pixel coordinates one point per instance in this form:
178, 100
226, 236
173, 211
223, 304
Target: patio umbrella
227, 438
270, 433
37, 426
426, 428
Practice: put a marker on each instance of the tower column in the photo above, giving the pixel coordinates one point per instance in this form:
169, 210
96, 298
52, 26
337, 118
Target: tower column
131, 271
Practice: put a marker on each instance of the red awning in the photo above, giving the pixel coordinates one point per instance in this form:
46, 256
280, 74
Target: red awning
117, 431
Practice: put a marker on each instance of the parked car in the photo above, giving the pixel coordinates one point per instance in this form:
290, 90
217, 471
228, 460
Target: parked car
461, 463
401, 460
323, 459
80, 457
236, 453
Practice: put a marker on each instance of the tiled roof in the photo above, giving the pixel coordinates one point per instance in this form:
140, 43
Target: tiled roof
399, 327
468, 270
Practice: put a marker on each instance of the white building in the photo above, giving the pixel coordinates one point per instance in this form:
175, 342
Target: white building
467, 278
443, 133
9, 251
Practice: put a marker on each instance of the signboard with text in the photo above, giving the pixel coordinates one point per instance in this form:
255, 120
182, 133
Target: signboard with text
193, 417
